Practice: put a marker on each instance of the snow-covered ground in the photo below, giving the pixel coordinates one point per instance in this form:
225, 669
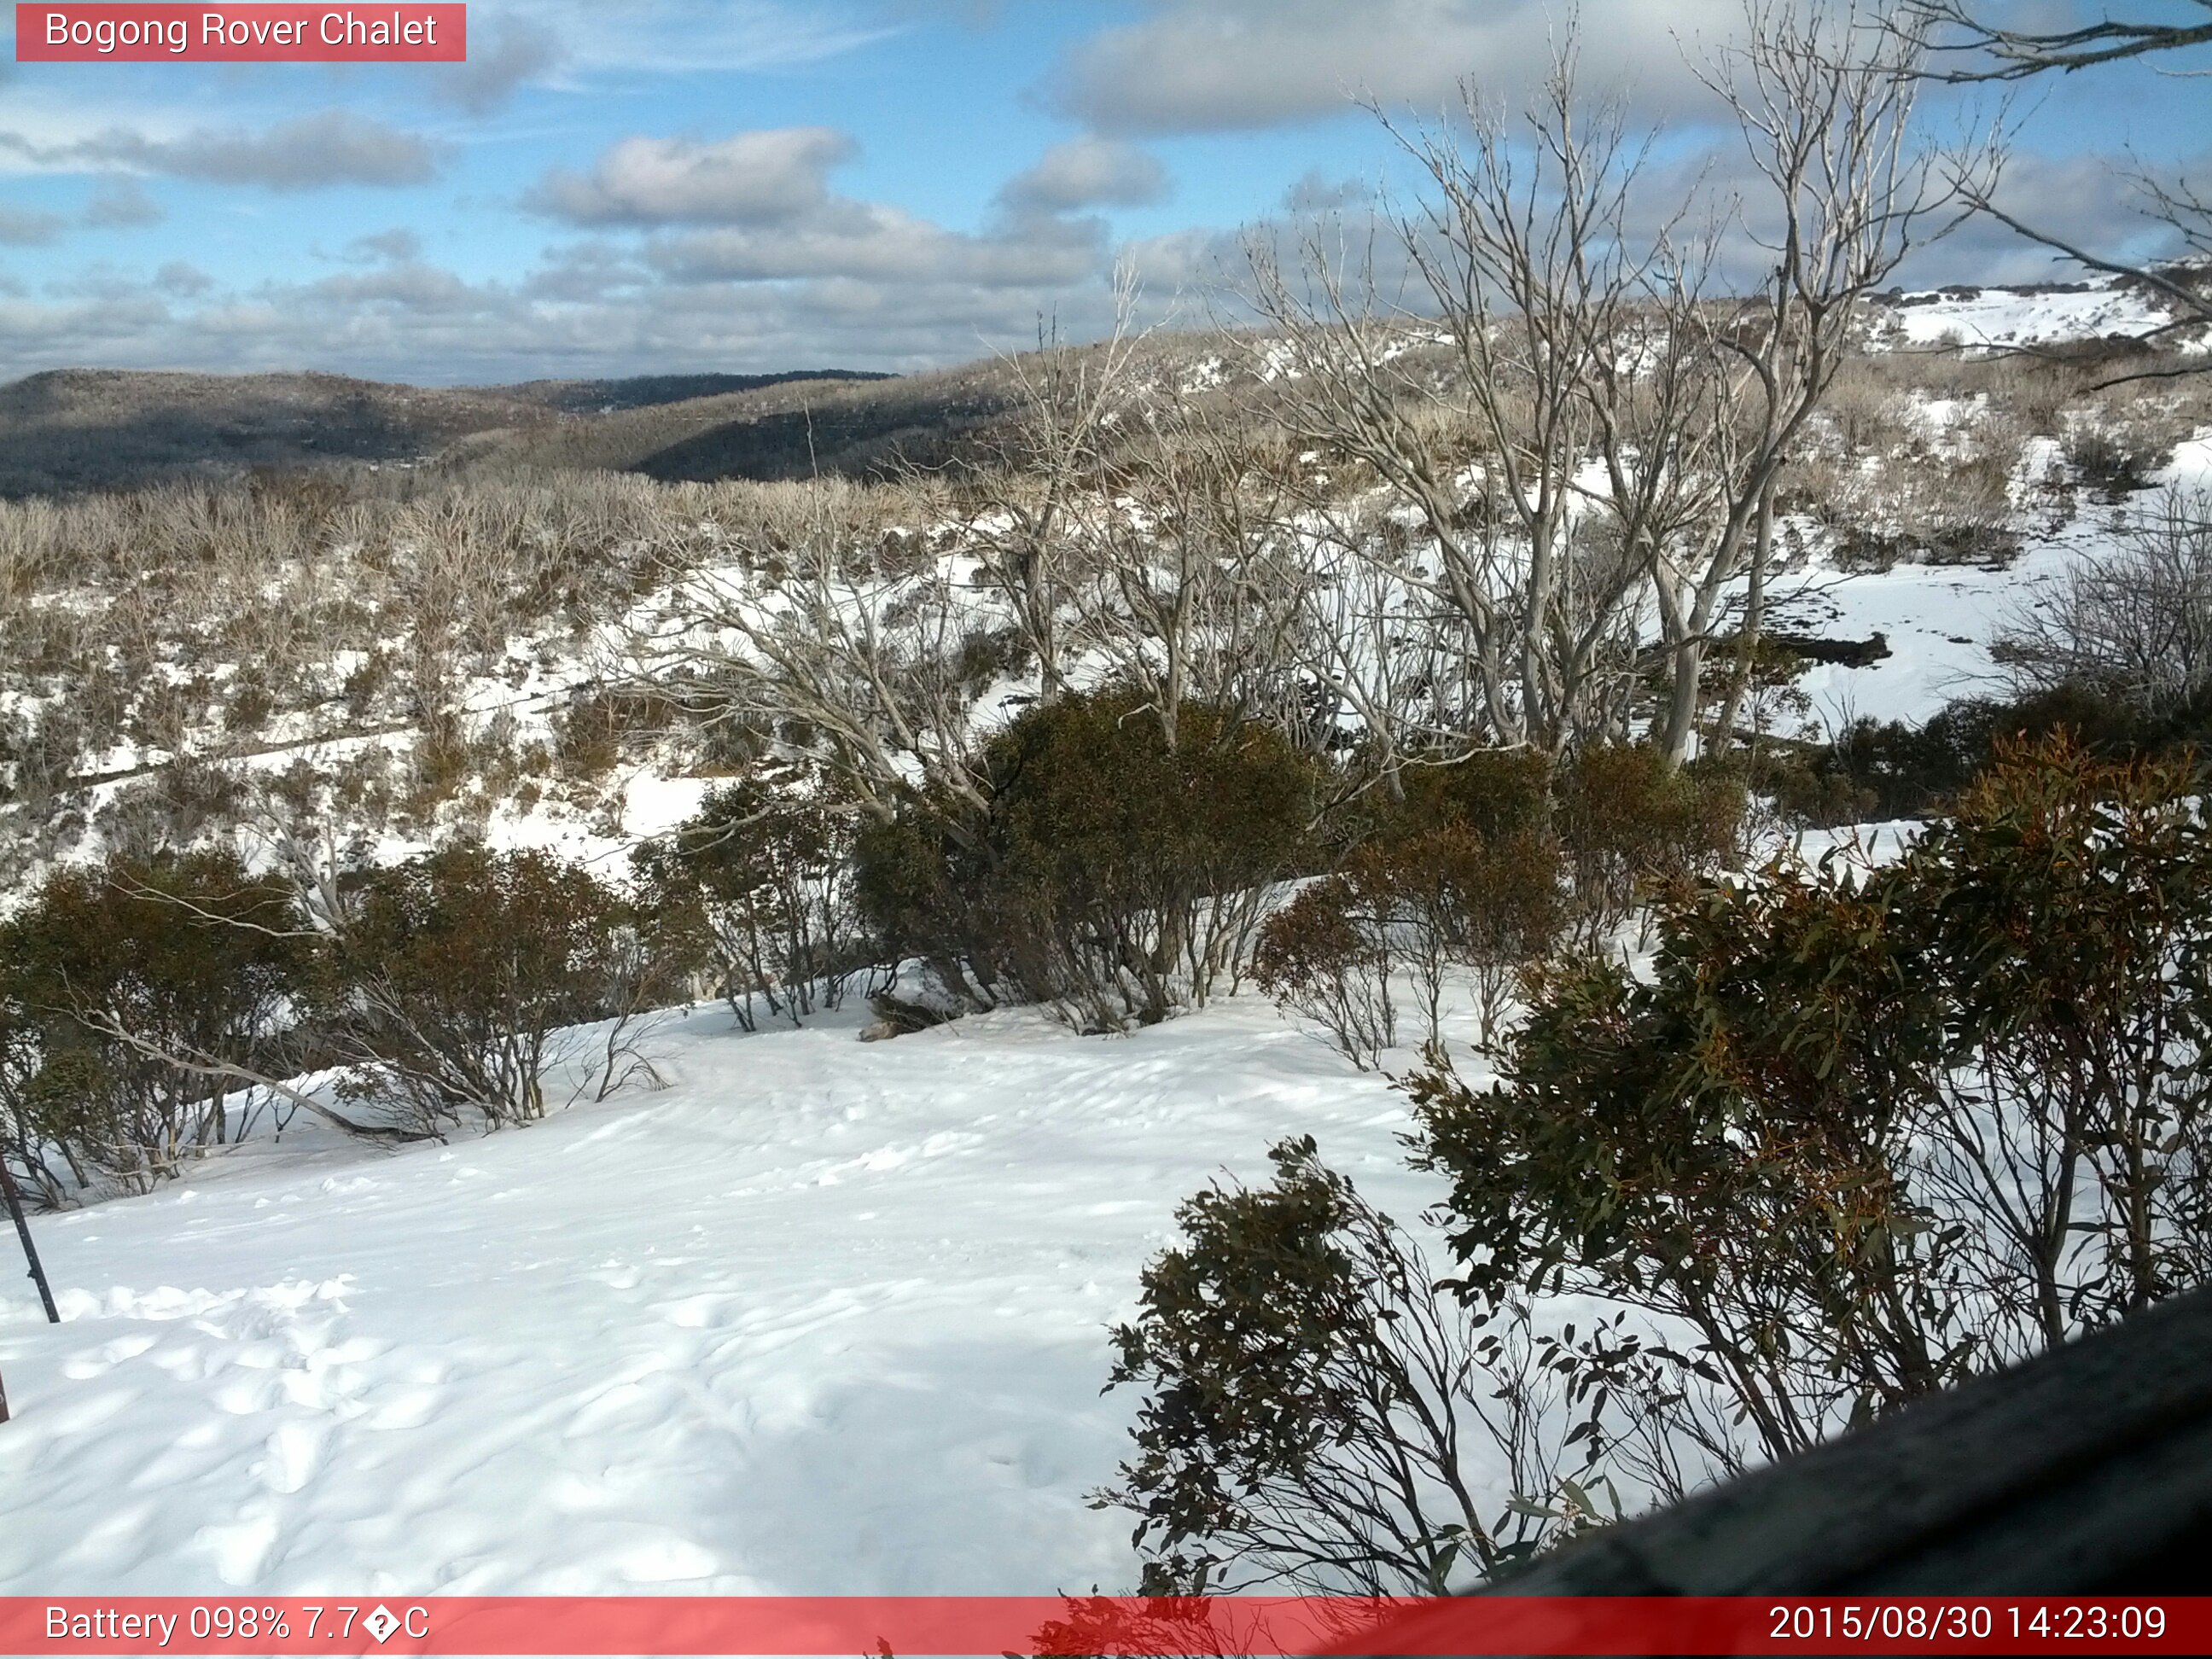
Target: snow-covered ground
818, 1318
2025, 316
821, 1316
1939, 619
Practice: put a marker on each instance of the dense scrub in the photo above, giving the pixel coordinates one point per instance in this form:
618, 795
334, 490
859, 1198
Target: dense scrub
765, 877
1858, 1133
1475, 871
151, 1011
2118, 654
1103, 869
108, 980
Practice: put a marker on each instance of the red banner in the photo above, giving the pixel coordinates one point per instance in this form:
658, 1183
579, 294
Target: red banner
220, 34
1267, 1627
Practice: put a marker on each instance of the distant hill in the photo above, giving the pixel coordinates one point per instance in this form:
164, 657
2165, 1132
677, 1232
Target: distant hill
648, 391
789, 429
71, 430
68, 430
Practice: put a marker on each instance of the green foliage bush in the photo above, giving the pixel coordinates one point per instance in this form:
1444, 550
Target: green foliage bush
454, 973
1631, 824
1309, 1398
1866, 1131
1496, 793
765, 872
1327, 956
1445, 899
151, 1009
1106, 872
1488, 904
192, 956
1879, 770
1860, 1132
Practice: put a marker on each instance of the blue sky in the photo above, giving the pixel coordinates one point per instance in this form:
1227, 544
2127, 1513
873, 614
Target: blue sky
615, 186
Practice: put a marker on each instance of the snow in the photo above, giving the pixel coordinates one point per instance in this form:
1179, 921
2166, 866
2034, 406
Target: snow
1938, 619
2016, 317
820, 1317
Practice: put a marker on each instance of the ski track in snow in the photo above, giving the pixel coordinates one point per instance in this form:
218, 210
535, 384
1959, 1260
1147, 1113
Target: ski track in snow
821, 1317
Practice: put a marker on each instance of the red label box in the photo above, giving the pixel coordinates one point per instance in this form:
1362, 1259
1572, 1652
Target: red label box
1254, 1627
221, 34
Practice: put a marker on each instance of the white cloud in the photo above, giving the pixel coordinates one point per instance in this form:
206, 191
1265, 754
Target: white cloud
122, 204
578, 44
755, 177
22, 228
1220, 65
1087, 172
335, 147
422, 324
506, 49
756, 208
684, 37
875, 243
398, 245
183, 280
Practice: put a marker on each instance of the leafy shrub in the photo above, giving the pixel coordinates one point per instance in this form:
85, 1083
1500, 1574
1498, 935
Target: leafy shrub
1887, 769
767, 864
453, 975
1631, 823
1313, 1397
1866, 1132
2063, 915
1460, 871
1326, 957
924, 881
1859, 1133
1496, 794
122, 989
1491, 905
1104, 871
1883, 769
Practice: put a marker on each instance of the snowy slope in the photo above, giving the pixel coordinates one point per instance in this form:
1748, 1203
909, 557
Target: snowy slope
2095, 309
820, 1317
1939, 619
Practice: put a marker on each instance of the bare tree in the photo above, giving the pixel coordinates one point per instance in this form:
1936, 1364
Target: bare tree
2017, 54
836, 626
1029, 494
1581, 424
1469, 389
1380, 646
1973, 49
1826, 100
1193, 572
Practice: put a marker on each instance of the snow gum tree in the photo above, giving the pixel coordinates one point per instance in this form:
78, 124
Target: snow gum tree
1547, 373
